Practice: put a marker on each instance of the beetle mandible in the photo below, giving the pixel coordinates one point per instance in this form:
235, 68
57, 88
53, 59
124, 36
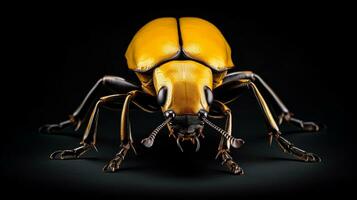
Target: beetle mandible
182, 66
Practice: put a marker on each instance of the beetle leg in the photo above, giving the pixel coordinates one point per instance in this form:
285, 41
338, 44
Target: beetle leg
226, 112
284, 144
286, 114
71, 154
116, 84
89, 137
125, 130
305, 126
51, 128
273, 127
229, 162
116, 162
233, 84
224, 145
290, 148
90, 133
125, 136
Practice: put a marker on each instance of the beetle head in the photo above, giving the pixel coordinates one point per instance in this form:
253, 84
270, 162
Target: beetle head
183, 86
183, 89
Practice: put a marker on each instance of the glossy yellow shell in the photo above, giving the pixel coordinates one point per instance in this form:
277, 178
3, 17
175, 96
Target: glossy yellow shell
156, 42
185, 55
202, 41
159, 40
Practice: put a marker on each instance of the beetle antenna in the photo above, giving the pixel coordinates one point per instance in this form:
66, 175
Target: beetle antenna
235, 142
149, 141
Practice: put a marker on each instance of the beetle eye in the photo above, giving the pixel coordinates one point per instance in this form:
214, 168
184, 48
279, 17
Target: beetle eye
162, 96
209, 95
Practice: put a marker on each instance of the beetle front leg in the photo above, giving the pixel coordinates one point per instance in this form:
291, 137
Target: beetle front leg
228, 161
224, 145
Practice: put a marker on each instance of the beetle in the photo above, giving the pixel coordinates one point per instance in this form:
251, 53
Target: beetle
182, 65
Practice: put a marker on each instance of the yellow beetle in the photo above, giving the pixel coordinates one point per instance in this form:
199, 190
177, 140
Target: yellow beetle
182, 65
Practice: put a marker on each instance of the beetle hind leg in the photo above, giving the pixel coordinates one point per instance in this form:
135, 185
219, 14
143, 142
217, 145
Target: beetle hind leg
105, 85
52, 128
303, 125
286, 115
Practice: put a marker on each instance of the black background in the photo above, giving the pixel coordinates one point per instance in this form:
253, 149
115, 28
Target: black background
60, 51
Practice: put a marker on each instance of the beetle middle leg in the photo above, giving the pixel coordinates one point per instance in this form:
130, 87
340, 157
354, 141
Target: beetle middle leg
146, 103
275, 133
89, 137
219, 110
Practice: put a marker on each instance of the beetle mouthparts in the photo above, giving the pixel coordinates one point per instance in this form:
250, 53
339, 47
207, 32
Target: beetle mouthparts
192, 138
